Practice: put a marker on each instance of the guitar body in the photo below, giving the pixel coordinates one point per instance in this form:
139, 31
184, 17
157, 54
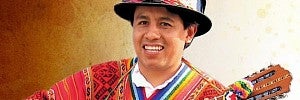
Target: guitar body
270, 83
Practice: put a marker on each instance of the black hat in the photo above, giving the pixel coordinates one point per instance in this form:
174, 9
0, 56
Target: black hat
190, 9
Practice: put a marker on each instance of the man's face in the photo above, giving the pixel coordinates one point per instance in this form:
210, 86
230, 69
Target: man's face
159, 37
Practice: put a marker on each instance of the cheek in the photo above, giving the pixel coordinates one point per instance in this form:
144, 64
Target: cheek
136, 38
180, 44
136, 33
177, 44
180, 39
179, 34
184, 37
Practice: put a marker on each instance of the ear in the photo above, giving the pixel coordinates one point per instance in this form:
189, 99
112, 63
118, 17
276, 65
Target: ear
191, 30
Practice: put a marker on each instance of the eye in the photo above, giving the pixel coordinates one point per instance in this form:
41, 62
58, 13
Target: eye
143, 23
165, 24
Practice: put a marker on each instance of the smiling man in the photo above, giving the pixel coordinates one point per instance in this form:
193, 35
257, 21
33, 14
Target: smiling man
159, 38
162, 30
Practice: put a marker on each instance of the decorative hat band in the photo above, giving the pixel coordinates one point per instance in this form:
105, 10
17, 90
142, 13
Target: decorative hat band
195, 5
191, 10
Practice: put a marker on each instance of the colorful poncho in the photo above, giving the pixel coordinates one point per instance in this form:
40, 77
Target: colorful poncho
112, 80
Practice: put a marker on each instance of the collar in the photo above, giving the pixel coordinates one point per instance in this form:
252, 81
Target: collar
140, 81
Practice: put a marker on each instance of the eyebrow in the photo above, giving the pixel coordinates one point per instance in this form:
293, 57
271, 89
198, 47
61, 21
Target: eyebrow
166, 18
160, 18
141, 17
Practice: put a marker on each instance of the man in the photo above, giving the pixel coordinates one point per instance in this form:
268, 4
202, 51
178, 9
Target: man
162, 29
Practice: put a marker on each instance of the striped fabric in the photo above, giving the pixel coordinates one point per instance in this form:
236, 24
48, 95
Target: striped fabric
184, 86
172, 90
112, 80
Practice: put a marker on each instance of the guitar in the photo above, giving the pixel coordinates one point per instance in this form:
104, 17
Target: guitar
271, 83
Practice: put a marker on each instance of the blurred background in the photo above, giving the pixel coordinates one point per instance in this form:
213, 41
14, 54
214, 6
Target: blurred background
43, 41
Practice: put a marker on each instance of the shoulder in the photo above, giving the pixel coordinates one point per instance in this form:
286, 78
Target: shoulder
101, 77
208, 86
206, 78
112, 66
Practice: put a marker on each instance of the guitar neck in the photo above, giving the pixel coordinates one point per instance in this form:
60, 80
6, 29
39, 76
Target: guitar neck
271, 82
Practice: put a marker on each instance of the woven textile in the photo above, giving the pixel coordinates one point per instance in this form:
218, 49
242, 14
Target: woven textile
112, 80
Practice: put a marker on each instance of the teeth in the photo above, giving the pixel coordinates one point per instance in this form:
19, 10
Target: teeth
154, 48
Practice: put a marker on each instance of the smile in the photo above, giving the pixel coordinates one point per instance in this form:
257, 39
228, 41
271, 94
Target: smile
153, 48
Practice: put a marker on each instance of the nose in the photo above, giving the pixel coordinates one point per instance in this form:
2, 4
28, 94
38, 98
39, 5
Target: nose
152, 33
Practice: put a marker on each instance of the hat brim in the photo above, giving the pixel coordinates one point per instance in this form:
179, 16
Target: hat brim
126, 11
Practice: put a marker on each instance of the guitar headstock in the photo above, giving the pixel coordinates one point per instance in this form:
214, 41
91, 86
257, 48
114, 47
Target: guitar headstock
270, 83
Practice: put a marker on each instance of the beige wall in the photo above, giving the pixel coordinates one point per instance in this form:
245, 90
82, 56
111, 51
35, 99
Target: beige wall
43, 41
248, 35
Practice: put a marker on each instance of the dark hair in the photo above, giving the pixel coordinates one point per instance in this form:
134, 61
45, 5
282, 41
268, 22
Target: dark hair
186, 21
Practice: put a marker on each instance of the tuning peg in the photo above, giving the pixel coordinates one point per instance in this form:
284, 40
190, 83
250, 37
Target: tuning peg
262, 70
281, 96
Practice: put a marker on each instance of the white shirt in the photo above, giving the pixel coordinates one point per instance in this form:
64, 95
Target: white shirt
140, 81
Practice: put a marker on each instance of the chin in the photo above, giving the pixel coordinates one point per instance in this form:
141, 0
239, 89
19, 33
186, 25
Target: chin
151, 62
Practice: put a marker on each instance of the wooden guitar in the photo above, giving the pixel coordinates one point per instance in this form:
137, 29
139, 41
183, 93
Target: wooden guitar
271, 83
